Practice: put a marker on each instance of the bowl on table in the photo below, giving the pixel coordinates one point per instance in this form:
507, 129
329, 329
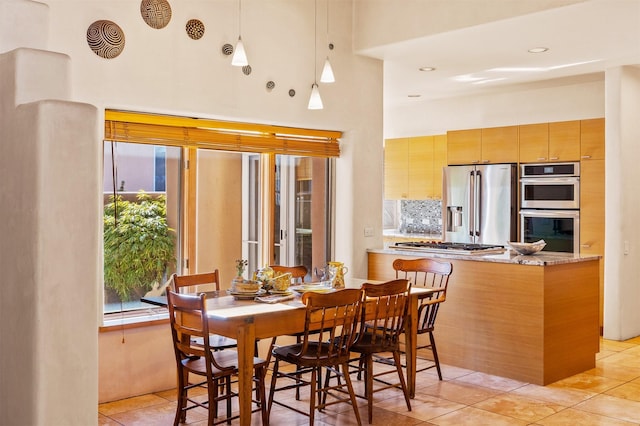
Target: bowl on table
527, 248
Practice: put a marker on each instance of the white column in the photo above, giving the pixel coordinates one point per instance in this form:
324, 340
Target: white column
622, 244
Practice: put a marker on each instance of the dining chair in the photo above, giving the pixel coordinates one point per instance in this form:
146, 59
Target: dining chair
188, 319
423, 272
298, 272
199, 282
383, 316
337, 313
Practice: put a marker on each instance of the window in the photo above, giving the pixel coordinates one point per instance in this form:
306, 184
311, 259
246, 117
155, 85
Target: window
218, 199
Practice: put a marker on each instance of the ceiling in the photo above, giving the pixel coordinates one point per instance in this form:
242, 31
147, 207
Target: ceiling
583, 40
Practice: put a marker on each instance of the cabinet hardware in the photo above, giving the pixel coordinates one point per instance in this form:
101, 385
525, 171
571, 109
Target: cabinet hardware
541, 158
553, 158
586, 157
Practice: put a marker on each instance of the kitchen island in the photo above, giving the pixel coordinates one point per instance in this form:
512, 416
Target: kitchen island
529, 318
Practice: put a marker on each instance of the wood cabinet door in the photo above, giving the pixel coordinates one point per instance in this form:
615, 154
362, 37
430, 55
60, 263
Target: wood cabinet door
439, 162
592, 139
420, 180
592, 230
564, 141
592, 207
464, 146
396, 175
533, 141
500, 145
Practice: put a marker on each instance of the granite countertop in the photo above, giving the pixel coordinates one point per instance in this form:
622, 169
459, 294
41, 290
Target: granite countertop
542, 258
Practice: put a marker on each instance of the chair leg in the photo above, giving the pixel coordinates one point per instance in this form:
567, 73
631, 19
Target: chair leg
181, 415
228, 388
435, 354
403, 383
261, 374
312, 395
352, 394
272, 387
212, 393
368, 385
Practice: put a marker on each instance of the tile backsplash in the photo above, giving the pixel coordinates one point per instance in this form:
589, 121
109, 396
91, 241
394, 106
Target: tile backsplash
421, 216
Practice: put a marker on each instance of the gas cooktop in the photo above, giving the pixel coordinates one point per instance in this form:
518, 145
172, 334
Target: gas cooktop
448, 247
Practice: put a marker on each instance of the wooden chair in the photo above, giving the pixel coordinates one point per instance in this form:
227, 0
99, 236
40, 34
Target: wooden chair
432, 274
385, 310
194, 282
298, 272
188, 319
337, 313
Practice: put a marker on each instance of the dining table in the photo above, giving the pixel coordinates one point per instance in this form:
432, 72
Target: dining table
248, 320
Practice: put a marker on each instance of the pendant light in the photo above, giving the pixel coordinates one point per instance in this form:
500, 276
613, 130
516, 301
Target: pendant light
239, 54
327, 72
315, 101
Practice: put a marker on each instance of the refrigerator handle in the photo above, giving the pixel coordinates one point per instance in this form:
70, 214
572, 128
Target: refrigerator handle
478, 205
472, 197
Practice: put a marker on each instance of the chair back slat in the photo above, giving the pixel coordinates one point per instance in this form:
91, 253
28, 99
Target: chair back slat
297, 272
190, 328
207, 281
336, 314
384, 312
428, 273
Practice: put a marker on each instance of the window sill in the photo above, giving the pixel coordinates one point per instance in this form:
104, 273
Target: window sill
128, 320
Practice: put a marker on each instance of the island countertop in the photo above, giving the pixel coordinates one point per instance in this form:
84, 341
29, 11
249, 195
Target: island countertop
543, 258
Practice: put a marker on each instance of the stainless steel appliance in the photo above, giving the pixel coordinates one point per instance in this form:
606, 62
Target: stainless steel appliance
479, 204
448, 247
550, 186
550, 202
560, 229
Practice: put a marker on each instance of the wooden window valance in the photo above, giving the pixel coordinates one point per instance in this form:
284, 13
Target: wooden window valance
123, 126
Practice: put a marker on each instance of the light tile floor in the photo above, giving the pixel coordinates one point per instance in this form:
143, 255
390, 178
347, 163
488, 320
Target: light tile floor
606, 395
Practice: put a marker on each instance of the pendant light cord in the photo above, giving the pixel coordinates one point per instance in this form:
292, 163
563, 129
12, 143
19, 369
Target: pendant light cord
315, 42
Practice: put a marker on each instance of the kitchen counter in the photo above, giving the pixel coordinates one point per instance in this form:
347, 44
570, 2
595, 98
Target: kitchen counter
529, 318
542, 258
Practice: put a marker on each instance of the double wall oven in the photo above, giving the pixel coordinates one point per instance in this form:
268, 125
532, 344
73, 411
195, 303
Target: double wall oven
550, 205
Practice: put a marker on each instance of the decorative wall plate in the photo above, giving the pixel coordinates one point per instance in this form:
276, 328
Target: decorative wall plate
246, 69
195, 29
270, 85
227, 49
105, 38
292, 93
156, 13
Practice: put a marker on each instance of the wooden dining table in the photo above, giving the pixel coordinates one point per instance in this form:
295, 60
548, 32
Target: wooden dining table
247, 320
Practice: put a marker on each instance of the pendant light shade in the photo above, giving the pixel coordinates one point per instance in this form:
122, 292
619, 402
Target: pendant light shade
239, 58
315, 101
327, 73
239, 55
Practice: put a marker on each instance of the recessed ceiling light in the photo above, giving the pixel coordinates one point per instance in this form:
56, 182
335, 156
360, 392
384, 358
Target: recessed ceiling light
414, 96
538, 49
427, 68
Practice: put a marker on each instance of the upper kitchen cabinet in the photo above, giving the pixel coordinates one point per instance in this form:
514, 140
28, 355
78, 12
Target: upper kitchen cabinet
546, 142
396, 173
500, 145
564, 141
464, 146
420, 168
592, 139
483, 146
413, 167
439, 162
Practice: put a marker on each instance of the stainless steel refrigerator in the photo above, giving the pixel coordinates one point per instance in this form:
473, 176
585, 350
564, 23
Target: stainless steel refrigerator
479, 204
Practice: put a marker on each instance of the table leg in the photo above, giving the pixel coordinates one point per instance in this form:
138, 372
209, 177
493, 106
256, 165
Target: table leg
411, 343
246, 338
